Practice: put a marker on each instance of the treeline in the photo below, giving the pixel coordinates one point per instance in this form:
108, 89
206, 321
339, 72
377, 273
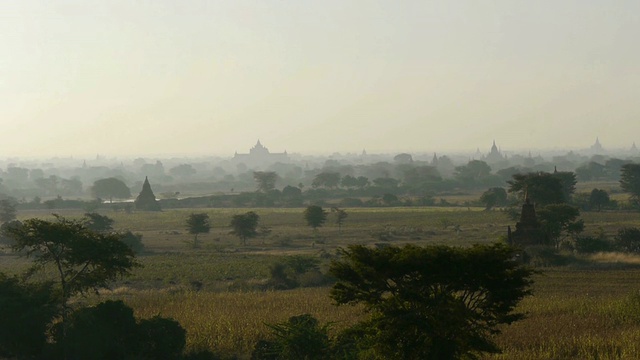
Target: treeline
394, 175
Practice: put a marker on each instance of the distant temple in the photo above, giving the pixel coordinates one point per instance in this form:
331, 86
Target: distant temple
146, 200
596, 148
259, 156
494, 156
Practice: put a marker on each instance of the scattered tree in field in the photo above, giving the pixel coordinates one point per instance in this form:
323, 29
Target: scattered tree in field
26, 310
598, 199
495, 196
198, 224
628, 240
83, 260
265, 180
245, 226
560, 221
315, 216
110, 188
146, 200
630, 181
7, 210
434, 302
341, 216
98, 223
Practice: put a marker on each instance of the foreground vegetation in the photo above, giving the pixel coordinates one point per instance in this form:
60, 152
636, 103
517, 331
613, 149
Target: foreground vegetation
221, 294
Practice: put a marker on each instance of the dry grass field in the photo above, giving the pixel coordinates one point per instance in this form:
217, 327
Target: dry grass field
588, 310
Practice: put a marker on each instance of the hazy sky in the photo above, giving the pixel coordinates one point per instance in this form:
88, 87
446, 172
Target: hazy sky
122, 77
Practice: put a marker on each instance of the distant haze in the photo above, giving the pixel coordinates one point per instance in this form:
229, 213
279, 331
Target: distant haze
199, 77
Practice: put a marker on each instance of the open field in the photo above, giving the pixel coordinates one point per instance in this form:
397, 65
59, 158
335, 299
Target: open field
586, 311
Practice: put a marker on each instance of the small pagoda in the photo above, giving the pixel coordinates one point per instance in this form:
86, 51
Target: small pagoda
146, 200
528, 229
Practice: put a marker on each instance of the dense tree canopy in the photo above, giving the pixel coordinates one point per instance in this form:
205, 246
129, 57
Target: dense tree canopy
544, 188
495, 196
560, 221
630, 181
265, 180
110, 188
598, 198
315, 216
434, 302
198, 224
245, 226
326, 179
83, 260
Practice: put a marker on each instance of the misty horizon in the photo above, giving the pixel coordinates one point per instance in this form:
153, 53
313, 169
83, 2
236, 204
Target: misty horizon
209, 78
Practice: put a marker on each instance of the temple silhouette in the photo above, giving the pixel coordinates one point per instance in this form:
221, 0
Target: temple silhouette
259, 157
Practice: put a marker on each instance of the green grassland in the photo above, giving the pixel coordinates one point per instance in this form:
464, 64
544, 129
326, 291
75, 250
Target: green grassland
588, 310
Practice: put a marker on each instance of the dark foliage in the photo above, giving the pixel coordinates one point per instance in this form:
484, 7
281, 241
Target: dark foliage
628, 240
434, 302
245, 226
299, 338
25, 310
315, 216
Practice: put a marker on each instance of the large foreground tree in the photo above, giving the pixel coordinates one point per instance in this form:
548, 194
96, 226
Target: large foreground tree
434, 302
82, 260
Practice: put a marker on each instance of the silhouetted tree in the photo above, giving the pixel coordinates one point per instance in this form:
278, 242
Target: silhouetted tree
341, 216
98, 223
315, 216
326, 179
560, 221
542, 188
630, 181
598, 199
7, 210
628, 240
495, 196
435, 302
110, 188
84, 260
183, 170
403, 158
472, 173
265, 180
26, 310
198, 224
245, 226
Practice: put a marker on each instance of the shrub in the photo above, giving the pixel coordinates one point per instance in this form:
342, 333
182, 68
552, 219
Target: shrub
299, 338
100, 332
161, 338
628, 240
109, 331
26, 310
133, 241
544, 256
589, 245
